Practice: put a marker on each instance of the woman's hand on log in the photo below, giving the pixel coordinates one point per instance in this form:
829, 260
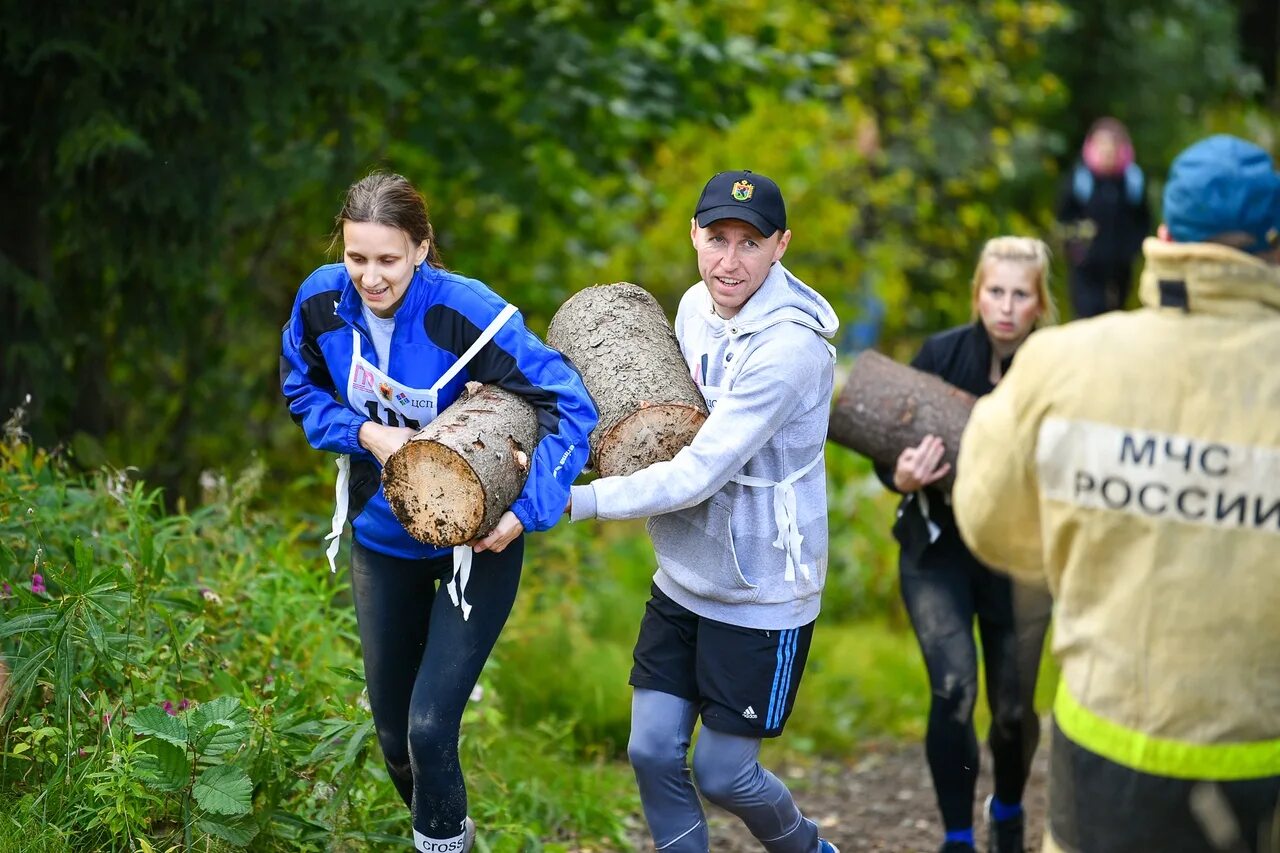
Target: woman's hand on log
382, 440
506, 531
921, 465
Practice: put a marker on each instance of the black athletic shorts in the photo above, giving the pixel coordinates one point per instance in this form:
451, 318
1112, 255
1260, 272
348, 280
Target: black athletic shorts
744, 680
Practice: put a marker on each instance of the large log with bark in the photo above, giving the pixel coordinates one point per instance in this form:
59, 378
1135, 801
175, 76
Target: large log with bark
453, 480
886, 407
619, 339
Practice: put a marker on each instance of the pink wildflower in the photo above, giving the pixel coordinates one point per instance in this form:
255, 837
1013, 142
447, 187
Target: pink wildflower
168, 708
37, 584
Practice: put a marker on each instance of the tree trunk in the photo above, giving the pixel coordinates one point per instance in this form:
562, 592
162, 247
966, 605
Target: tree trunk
619, 339
886, 407
455, 478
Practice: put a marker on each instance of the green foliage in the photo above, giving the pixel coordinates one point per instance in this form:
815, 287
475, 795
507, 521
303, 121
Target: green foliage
174, 174
187, 681
1120, 61
171, 176
926, 131
234, 614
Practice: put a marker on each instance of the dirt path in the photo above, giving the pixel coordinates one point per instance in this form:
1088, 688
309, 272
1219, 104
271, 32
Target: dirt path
882, 801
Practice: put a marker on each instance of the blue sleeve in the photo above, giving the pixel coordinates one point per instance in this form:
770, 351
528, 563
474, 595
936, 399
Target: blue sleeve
306, 381
519, 362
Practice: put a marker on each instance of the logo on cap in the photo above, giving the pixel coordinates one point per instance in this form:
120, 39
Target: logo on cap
743, 190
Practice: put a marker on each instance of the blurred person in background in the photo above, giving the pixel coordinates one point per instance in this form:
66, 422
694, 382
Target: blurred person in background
1103, 218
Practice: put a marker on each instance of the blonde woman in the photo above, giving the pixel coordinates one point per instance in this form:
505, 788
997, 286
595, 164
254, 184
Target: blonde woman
946, 588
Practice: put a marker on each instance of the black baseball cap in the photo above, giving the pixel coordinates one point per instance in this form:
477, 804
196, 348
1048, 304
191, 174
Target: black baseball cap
743, 195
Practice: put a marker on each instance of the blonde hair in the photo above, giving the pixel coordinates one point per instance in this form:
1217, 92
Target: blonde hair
1022, 250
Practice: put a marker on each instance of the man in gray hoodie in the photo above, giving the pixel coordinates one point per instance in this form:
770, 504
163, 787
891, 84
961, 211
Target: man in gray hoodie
739, 525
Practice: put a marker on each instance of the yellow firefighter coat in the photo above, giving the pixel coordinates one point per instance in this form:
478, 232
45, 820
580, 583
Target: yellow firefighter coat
1132, 462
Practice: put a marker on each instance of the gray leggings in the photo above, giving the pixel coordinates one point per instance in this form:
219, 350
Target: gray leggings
727, 773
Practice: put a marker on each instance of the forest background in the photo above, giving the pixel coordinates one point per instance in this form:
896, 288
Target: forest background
185, 671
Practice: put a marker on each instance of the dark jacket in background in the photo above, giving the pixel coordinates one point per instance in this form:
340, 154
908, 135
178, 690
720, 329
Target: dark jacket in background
1104, 219
1116, 205
962, 357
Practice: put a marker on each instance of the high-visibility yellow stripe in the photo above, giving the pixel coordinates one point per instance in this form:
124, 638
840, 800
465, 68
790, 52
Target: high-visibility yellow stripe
1172, 759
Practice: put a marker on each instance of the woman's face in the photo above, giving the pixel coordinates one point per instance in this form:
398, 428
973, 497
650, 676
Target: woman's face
1008, 301
380, 260
1106, 148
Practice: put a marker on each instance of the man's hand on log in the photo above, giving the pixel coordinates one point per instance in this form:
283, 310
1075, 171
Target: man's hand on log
382, 440
918, 466
508, 528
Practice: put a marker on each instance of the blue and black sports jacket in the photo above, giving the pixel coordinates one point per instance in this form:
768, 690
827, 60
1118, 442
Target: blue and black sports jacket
441, 317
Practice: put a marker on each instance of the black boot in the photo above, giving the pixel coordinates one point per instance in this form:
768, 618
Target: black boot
1004, 836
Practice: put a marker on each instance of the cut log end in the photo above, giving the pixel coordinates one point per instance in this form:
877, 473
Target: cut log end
654, 433
435, 494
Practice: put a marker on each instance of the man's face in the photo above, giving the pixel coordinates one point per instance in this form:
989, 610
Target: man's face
734, 259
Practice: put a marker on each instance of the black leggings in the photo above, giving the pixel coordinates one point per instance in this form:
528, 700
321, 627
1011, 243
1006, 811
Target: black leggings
421, 661
942, 601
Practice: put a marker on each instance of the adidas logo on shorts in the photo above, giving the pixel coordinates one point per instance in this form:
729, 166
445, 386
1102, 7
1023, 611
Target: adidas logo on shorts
750, 713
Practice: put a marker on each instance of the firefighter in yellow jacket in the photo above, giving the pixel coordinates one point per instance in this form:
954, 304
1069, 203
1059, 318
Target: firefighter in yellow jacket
1132, 462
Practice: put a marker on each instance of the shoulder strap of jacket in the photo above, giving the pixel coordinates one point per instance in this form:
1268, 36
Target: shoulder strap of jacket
1134, 184
1082, 184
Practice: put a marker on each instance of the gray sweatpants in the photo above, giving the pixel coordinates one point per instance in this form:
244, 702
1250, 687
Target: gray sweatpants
727, 771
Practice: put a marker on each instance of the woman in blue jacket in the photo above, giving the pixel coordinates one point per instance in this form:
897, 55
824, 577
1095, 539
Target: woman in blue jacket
375, 348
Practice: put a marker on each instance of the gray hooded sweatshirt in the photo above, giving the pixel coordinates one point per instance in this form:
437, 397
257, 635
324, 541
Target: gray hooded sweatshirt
739, 517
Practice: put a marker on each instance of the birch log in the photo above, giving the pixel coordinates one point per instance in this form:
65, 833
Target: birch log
886, 407
619, 339
453, 480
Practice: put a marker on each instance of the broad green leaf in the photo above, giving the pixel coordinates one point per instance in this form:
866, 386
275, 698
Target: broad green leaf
164, 766
219, 726
225, 710
154, 722
222, 737
224, 790
236, 832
